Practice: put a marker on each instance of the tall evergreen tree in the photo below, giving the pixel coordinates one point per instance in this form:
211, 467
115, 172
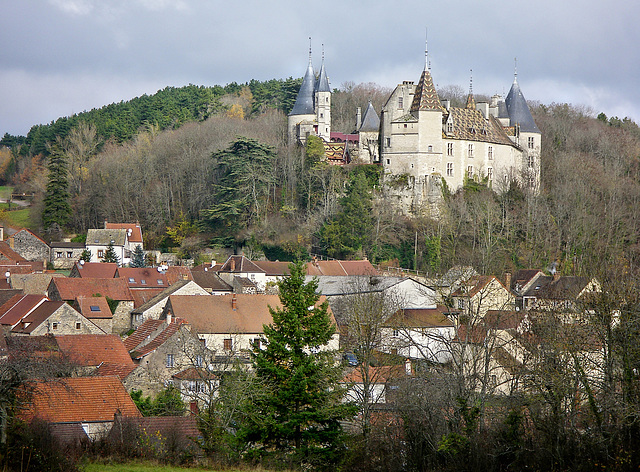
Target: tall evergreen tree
138, 259
57, 208
110, 254
86, 255
298, 414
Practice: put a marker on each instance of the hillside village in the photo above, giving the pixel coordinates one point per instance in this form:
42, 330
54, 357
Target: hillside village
479, 315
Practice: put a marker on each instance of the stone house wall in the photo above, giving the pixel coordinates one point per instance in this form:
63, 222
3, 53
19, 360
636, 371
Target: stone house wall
29, 246
66, 320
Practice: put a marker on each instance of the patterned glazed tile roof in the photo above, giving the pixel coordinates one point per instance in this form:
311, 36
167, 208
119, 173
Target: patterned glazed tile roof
79, 399
145, 330
471, 102
470, 125
426, 97
71, 288
335, 152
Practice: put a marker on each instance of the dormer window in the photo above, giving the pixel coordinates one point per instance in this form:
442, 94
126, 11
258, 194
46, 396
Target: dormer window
449, 127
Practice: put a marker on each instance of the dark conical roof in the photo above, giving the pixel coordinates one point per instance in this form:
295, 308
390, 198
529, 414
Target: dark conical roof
518, 110
322, 84
304, 101
426, 97
371, 120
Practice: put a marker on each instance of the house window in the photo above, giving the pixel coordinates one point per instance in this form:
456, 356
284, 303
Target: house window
100, 253
395, 333
430, 148
171, 359
490, 152
531, 142
228, 344
490, 173
137, 317
405, 126
198, 361
470, 172
58, 253
460, 303
388, 161
449, 169
530, 162
449, 149
400, 103
143, 282
54, 325
388, 142
470, 154
321, 115
78, 325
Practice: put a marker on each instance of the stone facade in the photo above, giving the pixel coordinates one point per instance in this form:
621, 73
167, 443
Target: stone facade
64, 255
30, 246
153, 309
64, 320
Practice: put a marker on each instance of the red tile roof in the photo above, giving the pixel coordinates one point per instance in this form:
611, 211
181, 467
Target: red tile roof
72, 288
94, 349
363, 267
94, 270
144, 295
145, 330
144, 277
177, 273
238, 264
136, 230
6, 252
79, 399
94, 307
171, 329
16, 309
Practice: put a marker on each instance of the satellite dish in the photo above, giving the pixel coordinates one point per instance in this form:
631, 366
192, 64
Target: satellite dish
82, 261
7, 274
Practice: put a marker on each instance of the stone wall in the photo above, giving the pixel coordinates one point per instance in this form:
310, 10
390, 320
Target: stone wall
30, 246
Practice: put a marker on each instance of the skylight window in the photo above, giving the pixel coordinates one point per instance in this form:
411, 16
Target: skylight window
94, 308
132, 280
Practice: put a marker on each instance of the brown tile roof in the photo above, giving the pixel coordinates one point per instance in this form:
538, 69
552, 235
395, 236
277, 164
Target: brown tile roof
362, 267
177, 273
94, 307
91, 350
144, 277
274, 269
564, 288
475, 285
37, 317
79, 399
211, 280
143, 331
8, 294
136, 230
170, 329
15, 269
523, 277
503, 319
143, 296
470, 334
9, 254
216, 315
206, 268
121, 371
17, 308
238, 264
420, 318
72, 288
94, 270
471, 125
159, 297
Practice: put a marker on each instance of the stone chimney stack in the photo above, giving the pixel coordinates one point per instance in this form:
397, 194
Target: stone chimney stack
507, 280
234, 302
358, 118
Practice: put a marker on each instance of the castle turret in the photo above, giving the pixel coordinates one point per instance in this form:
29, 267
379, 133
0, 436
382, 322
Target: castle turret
323, 103
302, 119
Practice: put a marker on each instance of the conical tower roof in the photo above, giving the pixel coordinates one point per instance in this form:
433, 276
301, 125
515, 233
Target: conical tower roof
518, 109
304, 100
371, 120
322, 84
426, 97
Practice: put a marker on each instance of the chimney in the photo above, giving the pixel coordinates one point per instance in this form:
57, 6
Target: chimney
105, 224
169, 317
407, 367
556, 276
358, 118
446, 104
233, 264
234, 302
507, 279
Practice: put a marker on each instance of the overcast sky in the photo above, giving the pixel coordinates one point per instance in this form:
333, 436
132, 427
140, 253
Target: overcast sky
59, 57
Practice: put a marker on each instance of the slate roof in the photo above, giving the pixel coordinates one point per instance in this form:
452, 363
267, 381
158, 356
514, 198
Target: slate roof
471, 125
17, 308
322, 84
564, 288
519, 113
71, 288
370, 120
94, 270
425, 96
143, 277
94, 307
37, 317
420, 318
79, 399
274, 268
522, 278
102, 237
216, 314
136, 230
305, 98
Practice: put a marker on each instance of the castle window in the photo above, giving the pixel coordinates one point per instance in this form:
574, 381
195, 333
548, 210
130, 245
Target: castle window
321, 115
430, 149
470, 150
449, 149
388, 161
490, 152
470, 172
405, 126
400, 103
449, 169
326, 99
530, 162
449, 127
531, 142
490, 173
388, 142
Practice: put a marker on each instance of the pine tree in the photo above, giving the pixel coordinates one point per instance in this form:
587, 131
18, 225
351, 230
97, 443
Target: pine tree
110, 254
138, 259
297, 415
86, 255
57, 208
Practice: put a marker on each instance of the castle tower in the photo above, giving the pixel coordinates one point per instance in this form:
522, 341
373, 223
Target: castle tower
301, 122
323, 103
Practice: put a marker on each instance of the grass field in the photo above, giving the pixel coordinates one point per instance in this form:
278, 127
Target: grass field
5, 191
18, 218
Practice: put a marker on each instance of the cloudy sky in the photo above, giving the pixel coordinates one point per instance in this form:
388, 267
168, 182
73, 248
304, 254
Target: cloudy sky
59, 57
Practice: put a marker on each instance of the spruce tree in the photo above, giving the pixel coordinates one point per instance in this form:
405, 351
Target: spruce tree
57, 208
297, 415
86, 255
138, 259
110, 254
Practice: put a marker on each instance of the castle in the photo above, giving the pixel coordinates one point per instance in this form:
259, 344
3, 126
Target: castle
422, 141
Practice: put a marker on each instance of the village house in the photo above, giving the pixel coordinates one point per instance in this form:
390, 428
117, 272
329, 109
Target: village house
30, 246
381, 381
479, 294
17, 307
101, 354
54, 317
65, 254
94, 270
96, 309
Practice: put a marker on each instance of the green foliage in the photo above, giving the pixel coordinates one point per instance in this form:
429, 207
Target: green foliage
167, 403
432, 253
57, 208
110, 254
138, 258
86, 255
297, 414
314, 151
182, 229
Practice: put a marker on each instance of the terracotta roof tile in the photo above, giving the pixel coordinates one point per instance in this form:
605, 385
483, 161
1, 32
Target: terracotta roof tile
91, 350
237, 264
72, 288
94, 307
274, 269
143, 332
16, 309
143, 277
36, 317
8, 253
143, 296
94, 270
363, 267
420, 318
80, 399
171, 329
177, 273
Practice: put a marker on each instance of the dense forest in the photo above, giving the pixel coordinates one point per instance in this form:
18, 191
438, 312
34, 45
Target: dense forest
210, 166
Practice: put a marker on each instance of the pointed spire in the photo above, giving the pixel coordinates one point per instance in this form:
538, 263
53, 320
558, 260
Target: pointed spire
518, 110
426, 51
322, 84
471, 101
426, 96
304, 100
370, 120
